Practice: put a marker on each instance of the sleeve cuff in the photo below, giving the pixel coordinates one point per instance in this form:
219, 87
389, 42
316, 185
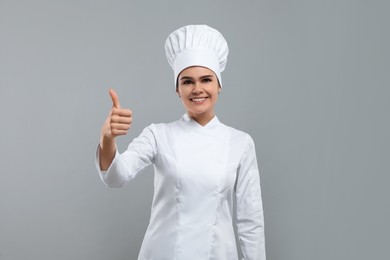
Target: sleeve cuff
110, 177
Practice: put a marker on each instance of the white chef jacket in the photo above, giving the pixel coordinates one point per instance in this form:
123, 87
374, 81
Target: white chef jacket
198, 169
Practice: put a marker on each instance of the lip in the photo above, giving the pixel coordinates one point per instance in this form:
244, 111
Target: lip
197, 97
198, 100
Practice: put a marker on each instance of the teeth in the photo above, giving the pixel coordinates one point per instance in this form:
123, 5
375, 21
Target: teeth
198, 99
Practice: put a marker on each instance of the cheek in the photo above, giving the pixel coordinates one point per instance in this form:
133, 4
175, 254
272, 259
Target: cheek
184, 93
216, 94
180, 93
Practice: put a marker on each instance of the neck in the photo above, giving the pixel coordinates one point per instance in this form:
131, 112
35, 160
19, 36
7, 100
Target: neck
202, 119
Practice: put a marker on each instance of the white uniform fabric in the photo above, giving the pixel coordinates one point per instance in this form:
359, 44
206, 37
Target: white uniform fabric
198, 169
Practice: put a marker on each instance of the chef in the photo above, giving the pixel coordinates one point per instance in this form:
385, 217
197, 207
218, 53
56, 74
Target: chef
200, 164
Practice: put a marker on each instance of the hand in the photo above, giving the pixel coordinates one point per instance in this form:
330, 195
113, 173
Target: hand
118, 121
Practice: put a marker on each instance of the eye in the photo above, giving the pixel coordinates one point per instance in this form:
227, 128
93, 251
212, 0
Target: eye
186, 82
207, 80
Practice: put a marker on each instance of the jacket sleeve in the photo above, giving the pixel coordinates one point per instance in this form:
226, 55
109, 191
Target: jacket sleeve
140, 153
250, 218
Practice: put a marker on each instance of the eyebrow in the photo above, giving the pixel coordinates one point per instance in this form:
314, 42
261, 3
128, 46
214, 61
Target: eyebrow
202, 77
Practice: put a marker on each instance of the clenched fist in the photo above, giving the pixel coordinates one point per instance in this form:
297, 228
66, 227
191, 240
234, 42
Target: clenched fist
118, 121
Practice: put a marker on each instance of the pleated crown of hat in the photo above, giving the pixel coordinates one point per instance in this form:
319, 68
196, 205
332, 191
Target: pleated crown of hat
196, 45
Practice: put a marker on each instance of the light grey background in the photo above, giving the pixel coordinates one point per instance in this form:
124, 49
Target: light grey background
307, 79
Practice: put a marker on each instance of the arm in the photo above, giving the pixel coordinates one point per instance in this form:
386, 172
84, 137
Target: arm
117, 123
107, 150
250, 218
140, 153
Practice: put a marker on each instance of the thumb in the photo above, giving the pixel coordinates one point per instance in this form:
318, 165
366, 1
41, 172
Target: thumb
114, 98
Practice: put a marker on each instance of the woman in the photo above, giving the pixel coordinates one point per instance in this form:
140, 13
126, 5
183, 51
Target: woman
199, 163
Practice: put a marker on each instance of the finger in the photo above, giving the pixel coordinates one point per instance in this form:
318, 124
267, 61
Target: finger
117, 126
121, 119
114, 98
116, 132
122, 112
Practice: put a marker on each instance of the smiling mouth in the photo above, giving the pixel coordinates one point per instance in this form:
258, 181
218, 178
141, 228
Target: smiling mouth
198, 99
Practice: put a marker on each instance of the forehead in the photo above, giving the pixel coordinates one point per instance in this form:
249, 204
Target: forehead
196, 71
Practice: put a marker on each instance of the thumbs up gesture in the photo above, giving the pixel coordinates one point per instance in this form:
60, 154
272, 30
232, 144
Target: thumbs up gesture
118, 121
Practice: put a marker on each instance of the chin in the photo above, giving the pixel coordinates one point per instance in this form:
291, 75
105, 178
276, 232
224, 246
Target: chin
200, 112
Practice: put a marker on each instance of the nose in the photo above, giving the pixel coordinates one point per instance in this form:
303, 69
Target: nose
197, 88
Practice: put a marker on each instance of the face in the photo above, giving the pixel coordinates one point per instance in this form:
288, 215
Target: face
198, 89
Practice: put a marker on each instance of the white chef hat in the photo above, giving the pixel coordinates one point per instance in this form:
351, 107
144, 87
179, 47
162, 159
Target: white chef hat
196, 45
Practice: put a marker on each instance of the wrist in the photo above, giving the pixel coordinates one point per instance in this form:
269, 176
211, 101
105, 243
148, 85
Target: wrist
107, 142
